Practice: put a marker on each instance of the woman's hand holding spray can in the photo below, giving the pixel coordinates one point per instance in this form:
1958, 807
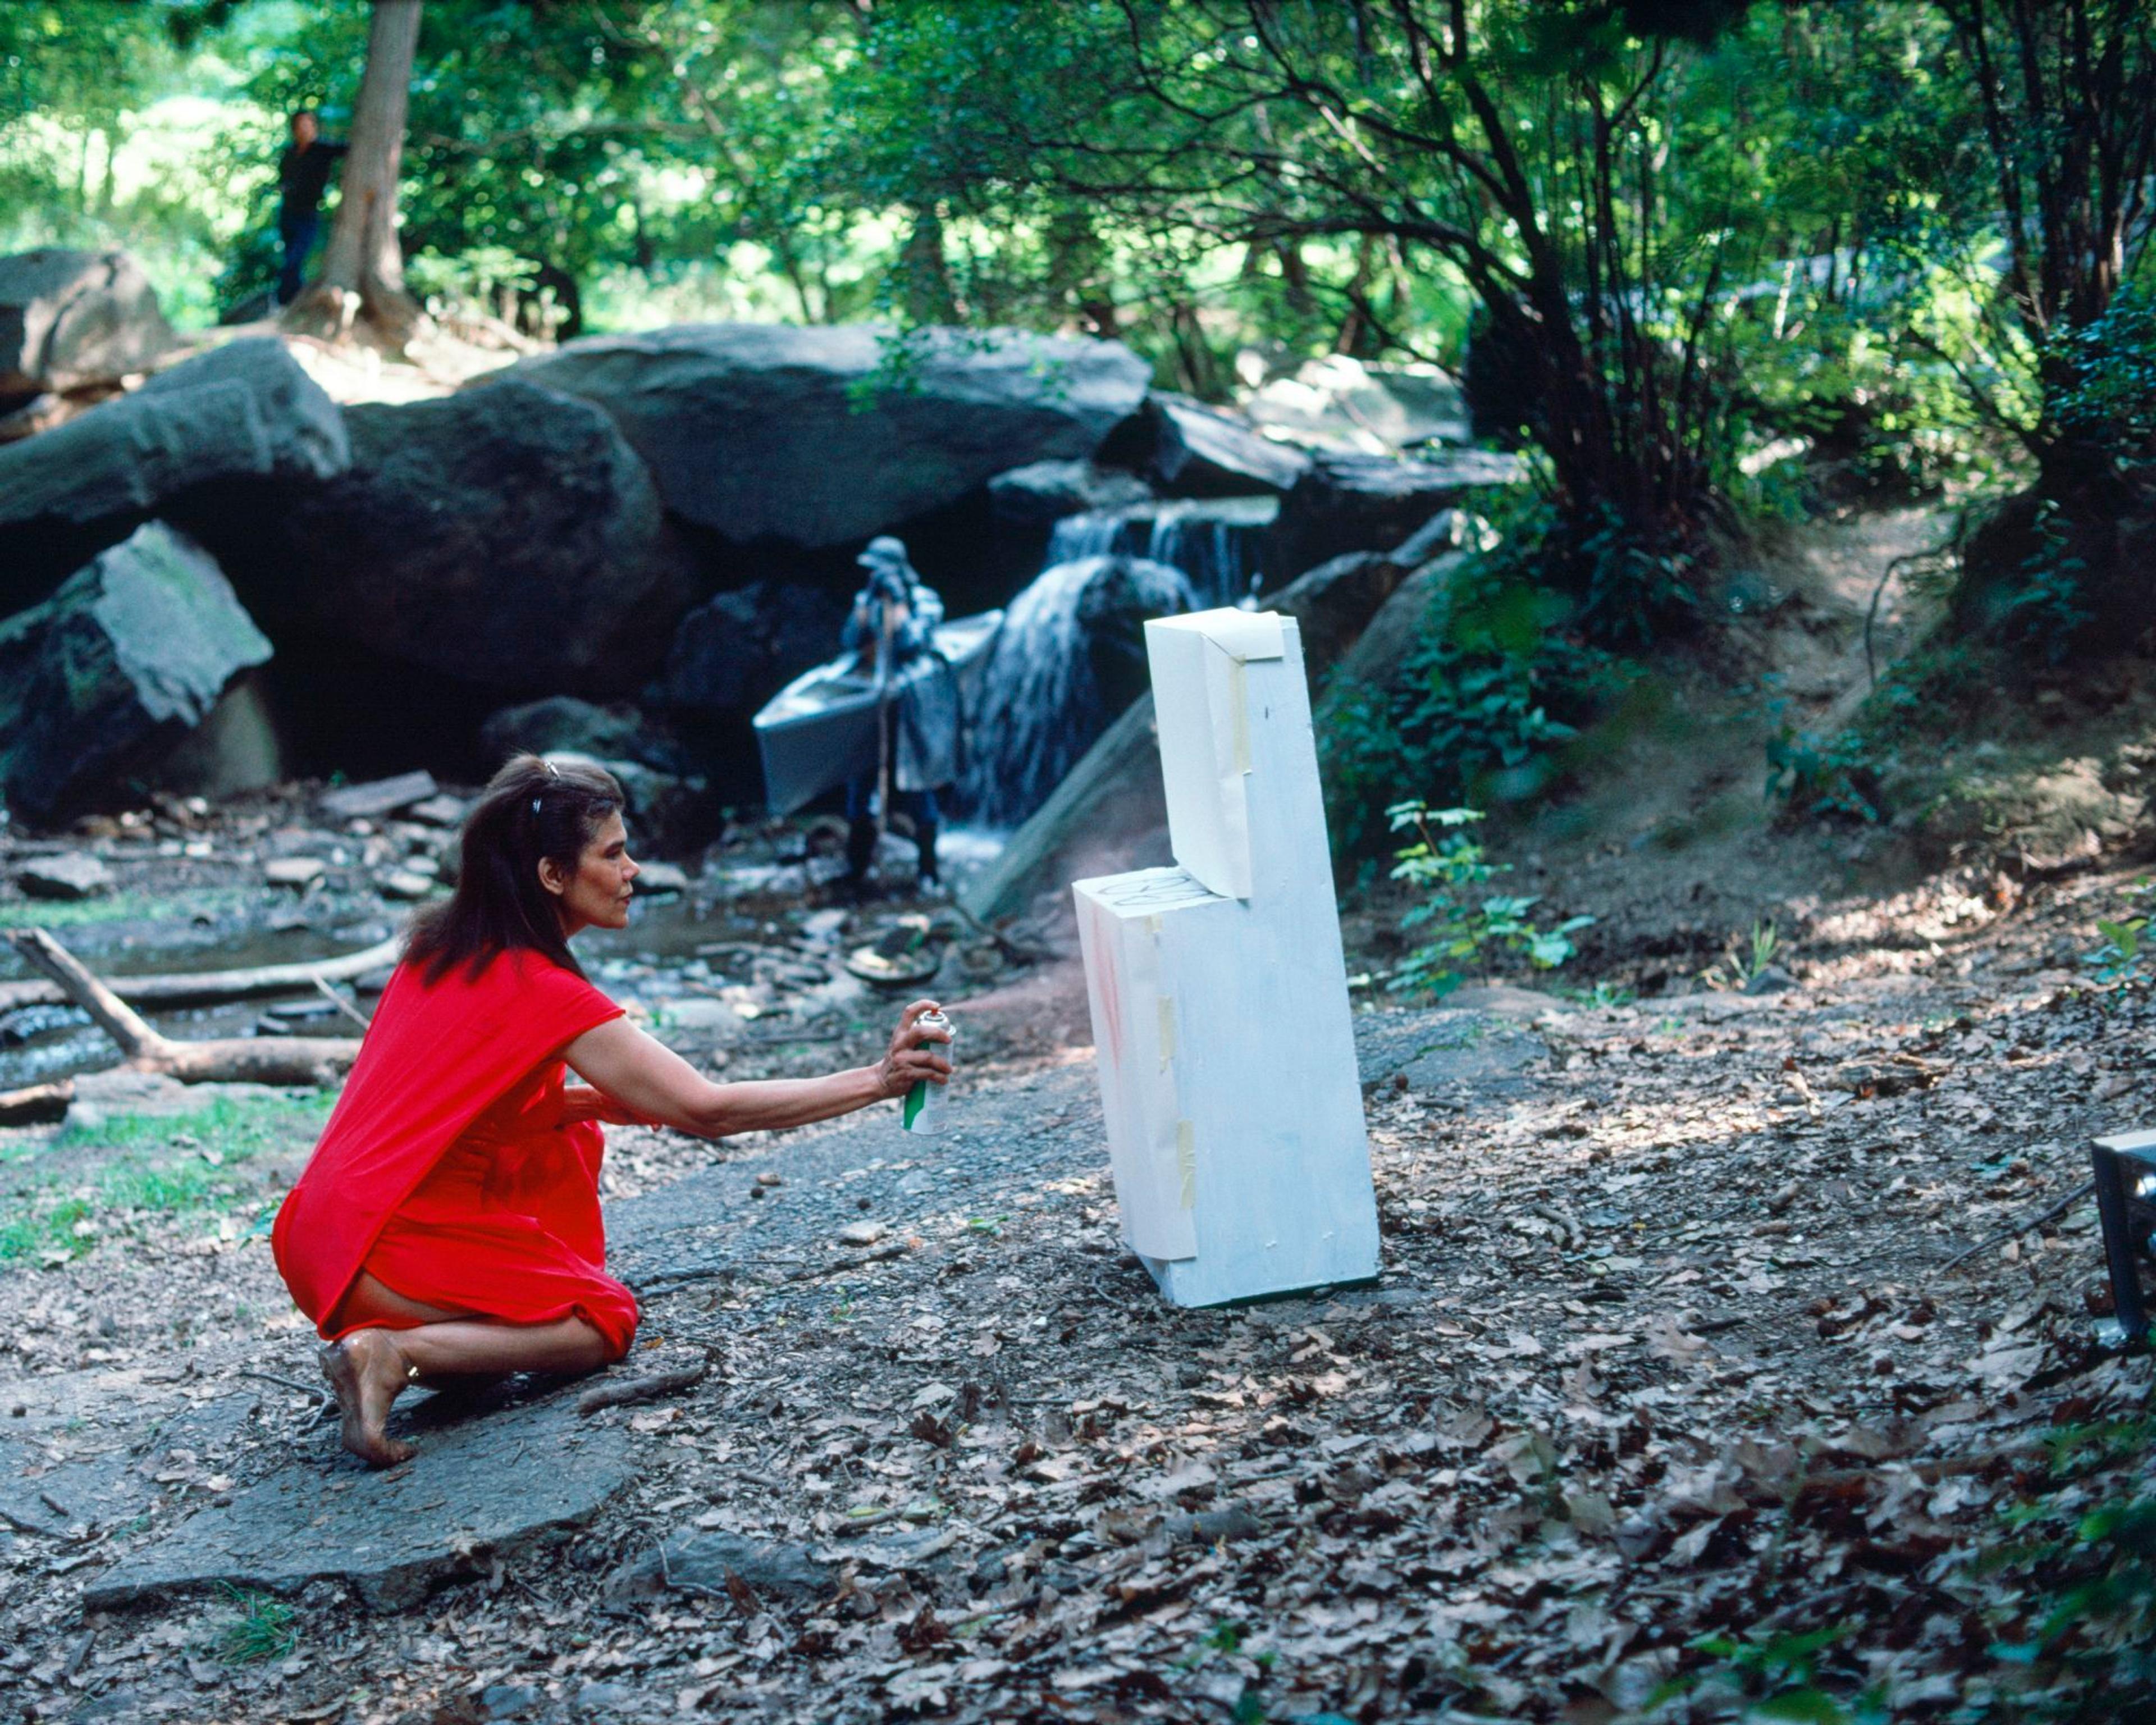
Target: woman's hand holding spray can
922, 1109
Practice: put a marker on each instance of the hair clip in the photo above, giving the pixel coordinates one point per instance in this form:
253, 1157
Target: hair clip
535, 805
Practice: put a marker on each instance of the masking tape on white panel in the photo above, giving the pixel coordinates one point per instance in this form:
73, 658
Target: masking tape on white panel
1166, 1031
1186, 1161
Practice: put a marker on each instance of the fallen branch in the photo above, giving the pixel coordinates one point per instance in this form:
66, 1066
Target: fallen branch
320, 1060
838, 1266
2086, 1189
208, 986
339, 1002
36, 1104
642, 1389
313, 1391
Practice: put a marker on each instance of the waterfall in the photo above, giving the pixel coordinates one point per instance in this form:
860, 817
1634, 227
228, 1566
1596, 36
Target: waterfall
1210, 540
1039, 705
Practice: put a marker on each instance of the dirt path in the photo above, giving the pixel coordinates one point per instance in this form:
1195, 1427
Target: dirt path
1643, 1265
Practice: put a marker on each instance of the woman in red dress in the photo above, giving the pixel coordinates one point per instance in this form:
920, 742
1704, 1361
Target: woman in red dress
448, 1224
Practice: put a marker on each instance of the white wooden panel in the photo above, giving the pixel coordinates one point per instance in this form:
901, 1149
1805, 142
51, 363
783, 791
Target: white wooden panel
1226, 1051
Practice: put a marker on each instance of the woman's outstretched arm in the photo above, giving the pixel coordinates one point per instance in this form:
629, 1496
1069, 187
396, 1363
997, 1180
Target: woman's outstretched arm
652, 1081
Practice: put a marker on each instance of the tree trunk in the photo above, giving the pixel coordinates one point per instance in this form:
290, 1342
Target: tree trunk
363, 268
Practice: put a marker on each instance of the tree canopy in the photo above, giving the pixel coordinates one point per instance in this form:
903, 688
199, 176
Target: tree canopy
1665, 239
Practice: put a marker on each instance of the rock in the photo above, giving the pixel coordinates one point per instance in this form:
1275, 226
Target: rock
1385, 645
375, 799
562, 724
1339, 404
1111, 615
505, 537
71, 318
1770, 979
239, 746
297, 872
1442, 1046
1336, 602
658, 877
442, 810
862, 1234
764, 432
1209, 1526
1042, 493
704, 1562
125, 657
486, 1485
1368, 502
73, 874
1109, 814
734, 652
405, 885
244, 412
665, 811
1190, 450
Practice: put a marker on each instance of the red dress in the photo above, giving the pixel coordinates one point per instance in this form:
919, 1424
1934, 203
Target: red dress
444, 1171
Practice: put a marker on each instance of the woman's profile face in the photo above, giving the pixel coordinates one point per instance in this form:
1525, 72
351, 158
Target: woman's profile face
598, 895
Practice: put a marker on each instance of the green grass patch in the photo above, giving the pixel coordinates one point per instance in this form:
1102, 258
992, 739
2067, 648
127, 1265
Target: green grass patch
261, 1630
121, 907
170, 1164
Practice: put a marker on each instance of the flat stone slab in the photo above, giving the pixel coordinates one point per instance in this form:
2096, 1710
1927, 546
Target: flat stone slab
1443, 1046
485, 1484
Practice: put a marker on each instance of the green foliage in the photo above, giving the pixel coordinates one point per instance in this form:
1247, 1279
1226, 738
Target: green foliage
2123, 939
1744, 957
1457, 928
138, 1171
1771, 1676
1483, 707
262, 1628
2043, 616
2109, 408
1823, 776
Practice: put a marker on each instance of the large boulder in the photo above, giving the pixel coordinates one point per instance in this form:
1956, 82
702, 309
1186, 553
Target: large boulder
126, 657
506, 538
562, 724
1042, 493
1353, 405
245, 412
72, 320
734, 652
819, 436
1348, 502
1190, 450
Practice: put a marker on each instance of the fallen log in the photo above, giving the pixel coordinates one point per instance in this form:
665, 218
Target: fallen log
36, 1104
640, 1389
206, 988
320, 1060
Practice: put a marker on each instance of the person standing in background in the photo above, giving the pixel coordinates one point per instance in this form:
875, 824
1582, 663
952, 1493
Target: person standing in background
303, 175
893, 626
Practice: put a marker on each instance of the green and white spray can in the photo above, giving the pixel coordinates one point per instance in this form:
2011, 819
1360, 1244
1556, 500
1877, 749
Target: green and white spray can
921, 1111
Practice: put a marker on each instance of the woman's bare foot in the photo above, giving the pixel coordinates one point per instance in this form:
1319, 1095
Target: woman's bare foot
366, 1371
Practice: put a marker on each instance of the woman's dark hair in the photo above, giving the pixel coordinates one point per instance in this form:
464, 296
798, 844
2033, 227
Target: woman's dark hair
532, 809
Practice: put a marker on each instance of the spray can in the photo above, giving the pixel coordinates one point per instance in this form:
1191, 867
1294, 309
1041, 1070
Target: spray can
921, 1112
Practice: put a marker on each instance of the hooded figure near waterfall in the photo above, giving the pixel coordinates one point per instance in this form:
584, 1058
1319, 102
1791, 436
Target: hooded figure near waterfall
892, 625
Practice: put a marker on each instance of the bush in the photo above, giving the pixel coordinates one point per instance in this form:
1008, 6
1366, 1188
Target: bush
1445, 861
1497, 685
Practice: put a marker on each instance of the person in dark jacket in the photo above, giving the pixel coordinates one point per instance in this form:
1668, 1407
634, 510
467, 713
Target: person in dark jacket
303, 175
893, 625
